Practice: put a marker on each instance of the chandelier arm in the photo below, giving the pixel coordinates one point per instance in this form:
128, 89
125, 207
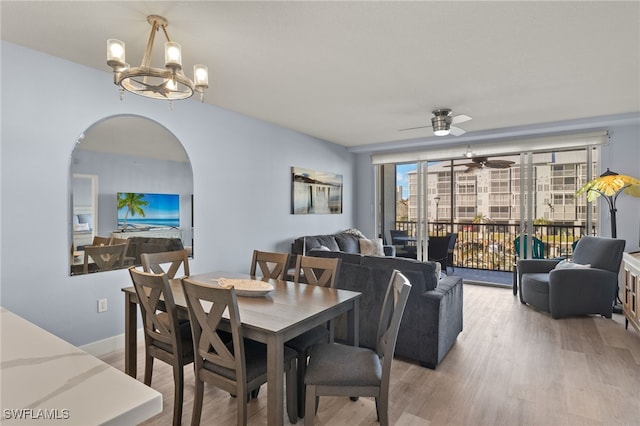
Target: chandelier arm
146, 59
166, 34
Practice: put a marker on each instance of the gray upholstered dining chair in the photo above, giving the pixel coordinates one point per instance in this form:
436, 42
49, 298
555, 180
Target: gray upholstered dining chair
272, 265
165, 336
340, 370
574, 288
237, 366
152, 262
315, 271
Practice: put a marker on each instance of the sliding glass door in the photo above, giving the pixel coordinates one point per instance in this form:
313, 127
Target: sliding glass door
499, 206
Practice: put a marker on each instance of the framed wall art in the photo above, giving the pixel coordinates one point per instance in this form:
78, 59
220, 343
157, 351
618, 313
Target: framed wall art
314, 192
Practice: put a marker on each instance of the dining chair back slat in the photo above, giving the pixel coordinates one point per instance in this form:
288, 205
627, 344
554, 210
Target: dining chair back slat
101, 241
105, 258
317, 270
125, 241
152, 262
272, 265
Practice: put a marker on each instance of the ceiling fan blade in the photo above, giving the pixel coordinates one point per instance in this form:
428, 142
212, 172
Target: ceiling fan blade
413, 128
499, 164
460, 119
473, 165
456, 131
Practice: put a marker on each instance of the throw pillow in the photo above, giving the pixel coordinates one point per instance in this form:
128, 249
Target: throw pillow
437, 272
567, 264
354, 231
81, 227
371, 247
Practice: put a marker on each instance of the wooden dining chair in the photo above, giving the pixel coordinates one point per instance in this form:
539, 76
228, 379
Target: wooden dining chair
124, 260
315, 271
104, 258
152, 262
272, 265
165, 336
341, 370
236, 367
100, 241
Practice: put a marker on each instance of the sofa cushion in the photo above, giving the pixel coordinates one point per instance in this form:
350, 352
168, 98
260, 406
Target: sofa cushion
371, 247
352, 258
347, 242
408, 267
318, 241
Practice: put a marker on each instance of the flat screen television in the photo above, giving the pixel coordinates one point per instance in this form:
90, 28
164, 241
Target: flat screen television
138, 211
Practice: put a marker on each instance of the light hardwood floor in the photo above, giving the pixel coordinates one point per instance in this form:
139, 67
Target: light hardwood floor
511, 365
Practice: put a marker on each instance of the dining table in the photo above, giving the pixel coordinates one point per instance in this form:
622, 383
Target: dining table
272, 318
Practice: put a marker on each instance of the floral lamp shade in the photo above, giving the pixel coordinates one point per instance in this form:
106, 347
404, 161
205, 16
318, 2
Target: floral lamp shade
610, 185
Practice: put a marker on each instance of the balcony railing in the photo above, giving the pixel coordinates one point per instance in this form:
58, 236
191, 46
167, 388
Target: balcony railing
490, 246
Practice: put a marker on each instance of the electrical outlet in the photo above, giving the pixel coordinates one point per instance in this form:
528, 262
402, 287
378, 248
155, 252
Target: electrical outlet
102, 305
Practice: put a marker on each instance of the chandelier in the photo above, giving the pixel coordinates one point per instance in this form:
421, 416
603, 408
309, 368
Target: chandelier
168, 83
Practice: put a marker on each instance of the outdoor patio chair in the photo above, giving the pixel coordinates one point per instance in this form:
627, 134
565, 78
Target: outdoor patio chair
452, 245
438, 250
400, 239
537, 251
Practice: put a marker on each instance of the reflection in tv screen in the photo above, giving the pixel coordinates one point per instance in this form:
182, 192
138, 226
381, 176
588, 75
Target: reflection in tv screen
138, 211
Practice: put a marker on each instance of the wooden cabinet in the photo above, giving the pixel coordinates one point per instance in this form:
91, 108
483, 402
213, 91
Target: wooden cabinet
631, 289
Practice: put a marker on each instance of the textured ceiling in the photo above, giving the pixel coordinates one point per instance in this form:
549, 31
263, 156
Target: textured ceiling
355, 72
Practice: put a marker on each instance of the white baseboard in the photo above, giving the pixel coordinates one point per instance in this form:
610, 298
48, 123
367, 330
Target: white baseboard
111, 344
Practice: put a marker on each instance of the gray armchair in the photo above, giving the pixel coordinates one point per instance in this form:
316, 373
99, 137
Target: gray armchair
574, 291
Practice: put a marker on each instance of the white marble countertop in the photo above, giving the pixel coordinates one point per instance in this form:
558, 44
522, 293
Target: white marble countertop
46, 380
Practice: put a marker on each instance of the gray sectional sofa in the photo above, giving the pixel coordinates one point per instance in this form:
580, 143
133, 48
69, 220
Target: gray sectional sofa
432, 318
346, 241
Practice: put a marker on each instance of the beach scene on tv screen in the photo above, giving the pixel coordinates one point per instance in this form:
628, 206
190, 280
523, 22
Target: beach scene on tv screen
138, 211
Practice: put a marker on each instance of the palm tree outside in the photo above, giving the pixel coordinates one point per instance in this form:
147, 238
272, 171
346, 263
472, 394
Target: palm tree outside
134, 203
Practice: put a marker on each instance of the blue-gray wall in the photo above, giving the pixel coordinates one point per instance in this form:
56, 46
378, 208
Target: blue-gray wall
241, 172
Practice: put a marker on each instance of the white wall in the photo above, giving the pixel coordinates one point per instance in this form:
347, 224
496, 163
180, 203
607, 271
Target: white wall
241, 171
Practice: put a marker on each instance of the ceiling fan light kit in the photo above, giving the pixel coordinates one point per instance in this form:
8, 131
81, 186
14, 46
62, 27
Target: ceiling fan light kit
442, 121
169, 83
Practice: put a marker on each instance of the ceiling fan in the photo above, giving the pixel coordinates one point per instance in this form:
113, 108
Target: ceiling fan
442, 121
482, 162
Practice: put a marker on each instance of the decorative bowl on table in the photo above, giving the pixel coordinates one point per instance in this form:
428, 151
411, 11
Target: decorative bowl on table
244, 287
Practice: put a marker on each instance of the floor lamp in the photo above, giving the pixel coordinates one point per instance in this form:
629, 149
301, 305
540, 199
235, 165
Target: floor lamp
610, 185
